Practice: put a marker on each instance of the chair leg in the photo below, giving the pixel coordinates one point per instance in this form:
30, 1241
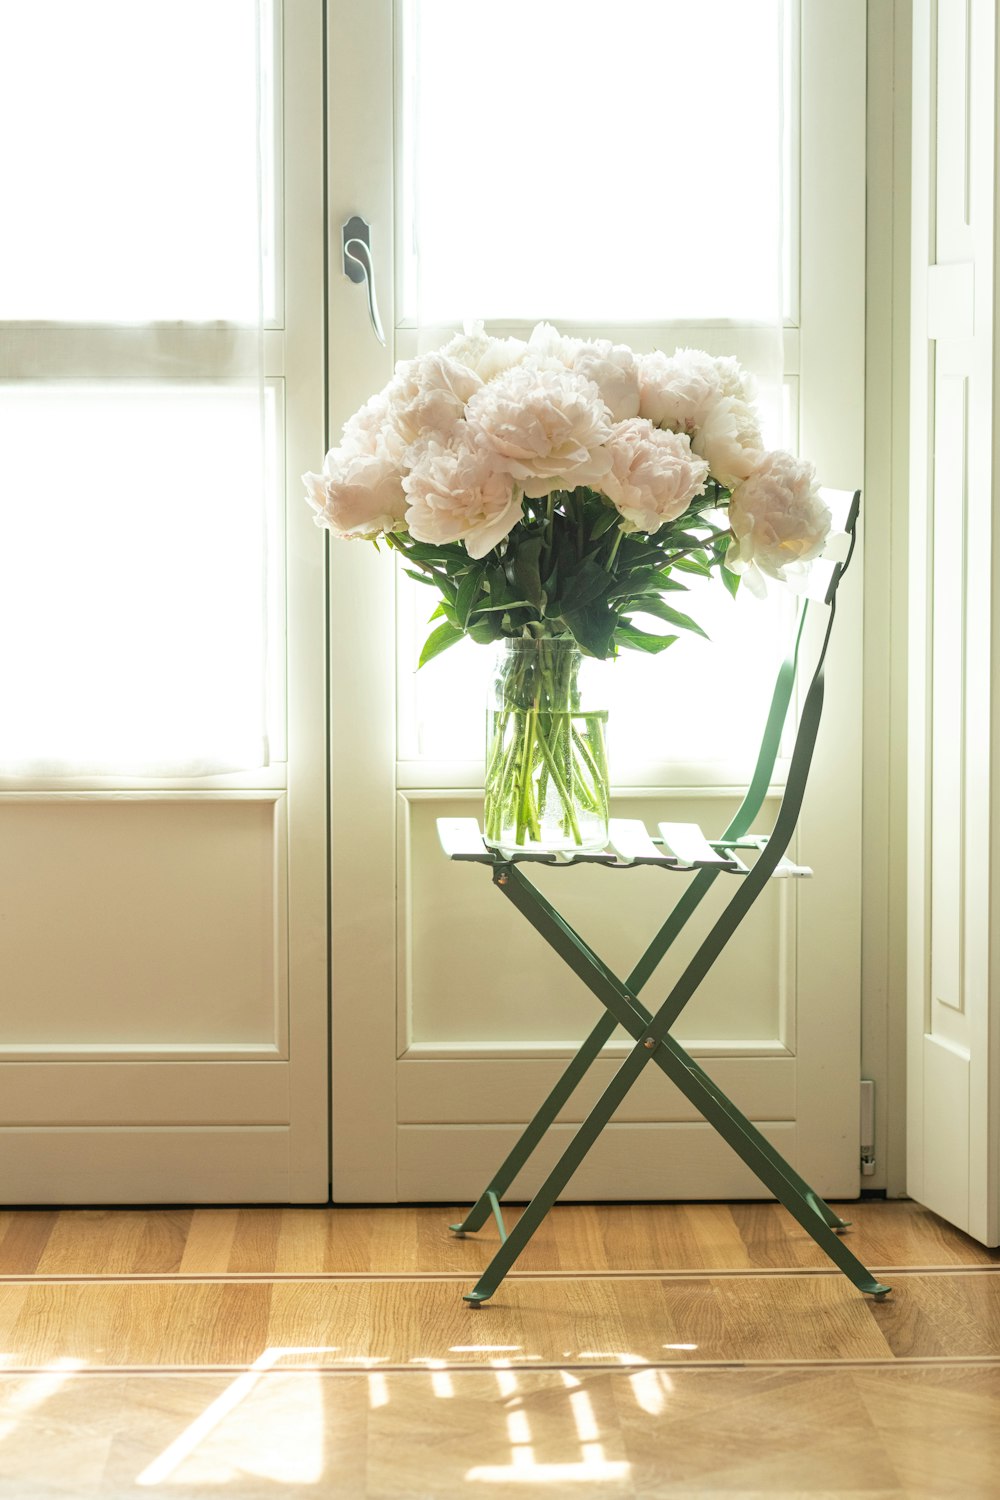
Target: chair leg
739, 1122
770, 1168
509, 1168
560, 1175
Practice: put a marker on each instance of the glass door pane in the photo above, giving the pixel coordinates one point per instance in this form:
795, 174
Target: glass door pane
567, 161
133, 627
136, 184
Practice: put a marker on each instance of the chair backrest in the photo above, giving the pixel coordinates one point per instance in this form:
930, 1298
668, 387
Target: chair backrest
822, 584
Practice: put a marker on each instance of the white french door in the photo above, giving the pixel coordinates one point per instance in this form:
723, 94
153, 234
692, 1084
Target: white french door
450, 1018
953, 1086
162, 656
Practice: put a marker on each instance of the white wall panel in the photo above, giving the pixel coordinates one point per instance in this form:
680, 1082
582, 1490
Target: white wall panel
173, 1164
627, 1163
487, 1091
506, 985
143, 922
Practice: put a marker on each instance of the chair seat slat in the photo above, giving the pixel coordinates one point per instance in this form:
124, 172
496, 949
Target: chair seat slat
461, 839
692, 848
632, 843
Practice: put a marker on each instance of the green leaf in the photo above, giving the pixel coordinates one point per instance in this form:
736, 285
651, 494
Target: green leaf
731, 580
421, 577
640, 640
604, 522
593, 629
496, 585
484, 630
468, 592
663, 611
695, 562
635, 586
525, 568
428, 552
587, 582
439, 640
491, 609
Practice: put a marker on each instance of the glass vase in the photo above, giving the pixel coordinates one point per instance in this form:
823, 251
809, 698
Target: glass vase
546, 781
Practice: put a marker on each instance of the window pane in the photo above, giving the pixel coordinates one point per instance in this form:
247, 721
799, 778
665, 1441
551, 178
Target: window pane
131, 177
563, 167
132, 562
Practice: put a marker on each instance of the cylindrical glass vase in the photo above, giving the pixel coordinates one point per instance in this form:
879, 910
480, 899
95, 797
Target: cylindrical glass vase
546, 782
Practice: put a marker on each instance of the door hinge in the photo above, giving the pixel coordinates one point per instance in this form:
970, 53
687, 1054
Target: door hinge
867, 1127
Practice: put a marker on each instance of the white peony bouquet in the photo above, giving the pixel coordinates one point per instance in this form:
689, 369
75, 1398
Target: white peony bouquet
556, 487
550, 491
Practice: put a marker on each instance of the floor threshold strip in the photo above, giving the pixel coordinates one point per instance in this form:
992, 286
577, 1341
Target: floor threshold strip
526, 1367
249, 1278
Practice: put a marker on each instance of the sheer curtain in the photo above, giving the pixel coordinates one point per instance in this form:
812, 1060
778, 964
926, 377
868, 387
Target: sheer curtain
624, 174
136, 425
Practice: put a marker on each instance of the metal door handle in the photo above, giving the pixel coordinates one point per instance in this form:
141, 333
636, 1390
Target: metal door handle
358, 266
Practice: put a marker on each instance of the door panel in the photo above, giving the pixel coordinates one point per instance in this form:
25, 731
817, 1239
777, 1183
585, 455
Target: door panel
163, 919
953, 1091
451, 1017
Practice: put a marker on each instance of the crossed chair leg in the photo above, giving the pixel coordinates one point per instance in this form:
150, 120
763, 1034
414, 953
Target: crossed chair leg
652, 1044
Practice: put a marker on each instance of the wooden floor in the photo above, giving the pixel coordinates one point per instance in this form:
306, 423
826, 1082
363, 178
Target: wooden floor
677, 1350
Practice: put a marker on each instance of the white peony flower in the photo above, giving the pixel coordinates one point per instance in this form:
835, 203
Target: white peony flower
613, 368
485, 356
711, 399
729, 439
371, 430
427, 396
547, 345
546, 427
654, 475
358, 494
458, 494
677, 391
778, 520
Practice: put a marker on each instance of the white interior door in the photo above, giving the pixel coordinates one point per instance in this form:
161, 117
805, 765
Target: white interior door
953, 1128
162, 851
451, 1019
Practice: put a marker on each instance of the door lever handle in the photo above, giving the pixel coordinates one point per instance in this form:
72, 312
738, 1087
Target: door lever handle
359, 267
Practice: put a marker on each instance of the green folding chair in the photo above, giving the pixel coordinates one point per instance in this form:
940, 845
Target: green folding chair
679, 849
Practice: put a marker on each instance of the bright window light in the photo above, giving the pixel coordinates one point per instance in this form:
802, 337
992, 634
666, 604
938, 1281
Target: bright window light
561, 167
139, 183
133, 595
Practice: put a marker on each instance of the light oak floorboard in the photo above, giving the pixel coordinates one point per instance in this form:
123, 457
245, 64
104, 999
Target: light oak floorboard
731, 1379
561, 1322
575, 1237
887, 1434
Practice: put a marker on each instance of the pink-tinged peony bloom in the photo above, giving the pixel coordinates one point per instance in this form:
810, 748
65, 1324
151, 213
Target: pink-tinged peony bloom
778, 519
484, 355
370, 429
676, 391
711, 399
613, 368
358, 494
545, 426
654, 475
458, 494
427, 396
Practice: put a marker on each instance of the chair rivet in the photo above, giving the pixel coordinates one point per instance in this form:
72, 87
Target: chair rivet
502, 880
649, 1044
